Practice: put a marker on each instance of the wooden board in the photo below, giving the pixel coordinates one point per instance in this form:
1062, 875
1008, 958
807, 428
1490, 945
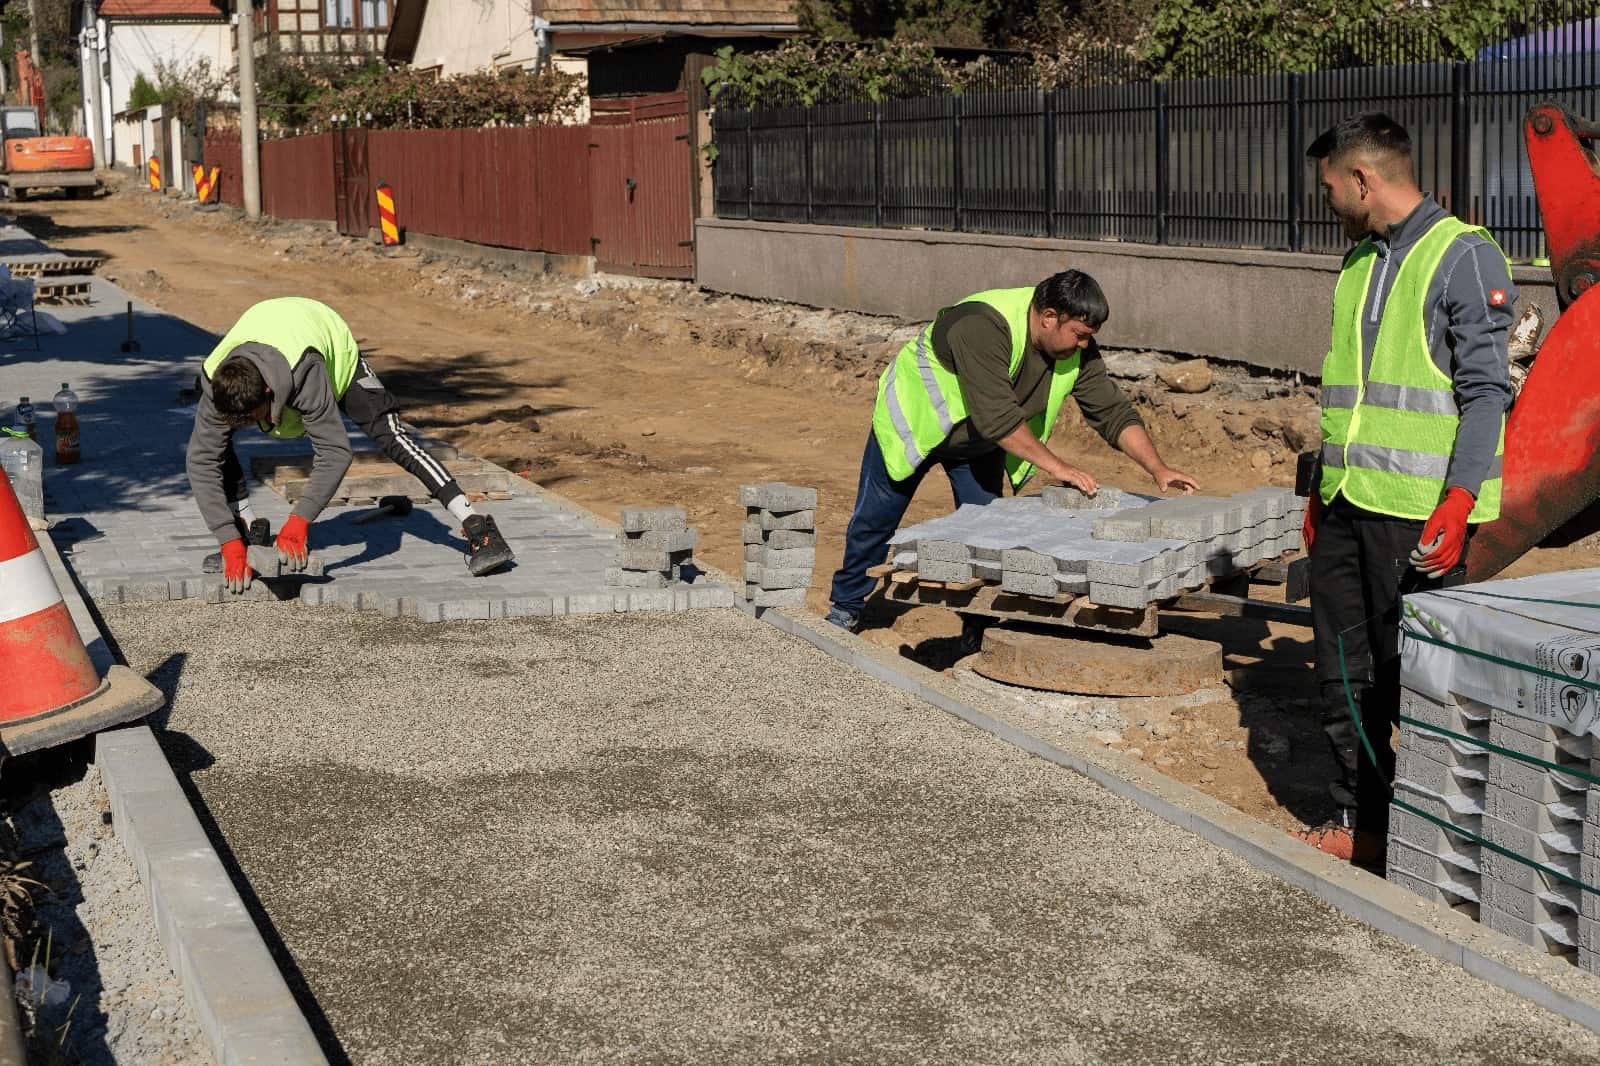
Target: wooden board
69, 291
41, 268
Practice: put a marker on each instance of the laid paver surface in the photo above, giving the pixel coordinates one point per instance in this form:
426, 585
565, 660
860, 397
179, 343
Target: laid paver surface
126, 522
690, 838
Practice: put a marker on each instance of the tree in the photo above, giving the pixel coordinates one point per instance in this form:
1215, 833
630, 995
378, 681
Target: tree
142, 94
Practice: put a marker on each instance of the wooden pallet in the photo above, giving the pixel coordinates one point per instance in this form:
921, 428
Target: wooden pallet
43, 268
64, 291
1223, 596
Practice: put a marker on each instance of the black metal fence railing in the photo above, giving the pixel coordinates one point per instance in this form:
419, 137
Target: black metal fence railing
1216, 162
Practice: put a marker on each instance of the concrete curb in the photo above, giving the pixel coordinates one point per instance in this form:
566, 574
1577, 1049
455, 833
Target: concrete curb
1558, 987
236, 991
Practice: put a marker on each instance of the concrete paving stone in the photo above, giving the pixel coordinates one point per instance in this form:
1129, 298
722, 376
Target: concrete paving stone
782, 557
986, 570
1423, 865
777, 496
802, 521
1436, 776
590, 603
779, 598
710, 594
1023, 561
785, 539
1519, 810
1069, 498
904, 560
752, 573
1028, 584
1128, 527
1551, 936
1072, 584
1517, 723
1119, 596
1457, 809
1456, 889
1420, 834
755, 553
943, 551
791, 577
1440, 748
636, 579
1131, 574
1556, 848
752, 531
640, 519
631, 558
1551, 745
1535, 782
1552, 899
650, 600
264, 560
940, 570
659, 539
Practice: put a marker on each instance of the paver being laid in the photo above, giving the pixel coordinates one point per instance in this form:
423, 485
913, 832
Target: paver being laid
130, 531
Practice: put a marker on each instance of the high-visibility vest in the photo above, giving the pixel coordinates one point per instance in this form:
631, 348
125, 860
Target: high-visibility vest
294, 325
920, 402
1387, 436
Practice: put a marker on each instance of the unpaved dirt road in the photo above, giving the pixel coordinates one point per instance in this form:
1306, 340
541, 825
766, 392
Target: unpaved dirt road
653, 393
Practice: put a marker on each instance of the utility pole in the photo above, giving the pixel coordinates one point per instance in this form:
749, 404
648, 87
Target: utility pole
249, 127
33, 34
91, 29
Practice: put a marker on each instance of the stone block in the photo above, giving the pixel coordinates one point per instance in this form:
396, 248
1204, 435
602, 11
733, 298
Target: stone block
650, 600
1467, 717
1119, 596
1023, 561
779, 598
943, 551
667, 519
787, 557
1540, 742
1517, 809
793, 577
1450, 890
1454, 808
986, 570
1425, 865
935, 570
777, 496
1132, 574
794, 520
1127, 527
752, 532
1070, 498
783, 539
591, 602
631, 558
1026, 584
687, 540
635, 579
710, 595
1535, 782
1436, 776
1420, 834
1072, 584
1555, 937
534, 606
1447, 750
264, 560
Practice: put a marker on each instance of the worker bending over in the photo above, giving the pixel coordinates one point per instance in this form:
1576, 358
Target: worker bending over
1414, 395
291, 366
978, 392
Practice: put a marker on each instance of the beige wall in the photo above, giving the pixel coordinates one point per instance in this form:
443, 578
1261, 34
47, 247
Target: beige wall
461, 36
1268, 309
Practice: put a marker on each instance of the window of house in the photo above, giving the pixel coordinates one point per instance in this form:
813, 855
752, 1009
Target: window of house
374, 14
339, 13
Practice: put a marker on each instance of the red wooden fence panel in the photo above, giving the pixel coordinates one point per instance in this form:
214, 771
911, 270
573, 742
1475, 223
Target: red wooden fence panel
642, 168
297, 177
222, 151
563, 189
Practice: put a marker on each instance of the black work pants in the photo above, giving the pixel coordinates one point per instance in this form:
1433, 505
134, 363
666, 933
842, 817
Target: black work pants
1360, 567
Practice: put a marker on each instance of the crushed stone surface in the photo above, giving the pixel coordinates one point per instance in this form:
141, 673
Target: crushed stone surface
653, 838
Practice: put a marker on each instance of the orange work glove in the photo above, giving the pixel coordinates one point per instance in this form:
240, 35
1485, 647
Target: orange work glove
291, 543
1445, 536
1308, 528
235, 567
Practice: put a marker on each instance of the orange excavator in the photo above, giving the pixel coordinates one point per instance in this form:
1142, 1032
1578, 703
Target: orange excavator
31, 160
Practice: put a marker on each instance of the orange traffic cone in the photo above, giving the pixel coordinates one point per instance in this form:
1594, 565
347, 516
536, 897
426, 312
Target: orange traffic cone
50, 691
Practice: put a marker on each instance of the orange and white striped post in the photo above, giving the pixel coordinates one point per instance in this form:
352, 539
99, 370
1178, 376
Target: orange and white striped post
43, 663
388, 224
198, 173
155, 174
211, 182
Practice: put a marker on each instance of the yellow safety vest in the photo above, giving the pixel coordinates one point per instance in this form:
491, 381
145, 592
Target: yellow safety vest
294, 325
920, 402
1388, 433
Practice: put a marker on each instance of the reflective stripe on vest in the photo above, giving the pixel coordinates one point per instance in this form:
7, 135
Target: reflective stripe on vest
294, 325
920, 402
1389, 430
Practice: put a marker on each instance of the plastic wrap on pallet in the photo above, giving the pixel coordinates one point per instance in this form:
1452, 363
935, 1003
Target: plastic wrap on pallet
1478, 642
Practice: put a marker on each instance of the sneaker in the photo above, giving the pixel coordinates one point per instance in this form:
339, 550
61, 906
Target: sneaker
259, 533
487, 550
1342, 842
848, 621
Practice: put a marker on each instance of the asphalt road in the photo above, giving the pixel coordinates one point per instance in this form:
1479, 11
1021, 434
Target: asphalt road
690, 838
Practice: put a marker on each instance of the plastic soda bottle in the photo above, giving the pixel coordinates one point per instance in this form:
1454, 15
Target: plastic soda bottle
66, 403
25, 418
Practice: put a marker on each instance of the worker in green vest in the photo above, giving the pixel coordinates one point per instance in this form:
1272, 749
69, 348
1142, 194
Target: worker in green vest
291, 367
1414, 395
978, 392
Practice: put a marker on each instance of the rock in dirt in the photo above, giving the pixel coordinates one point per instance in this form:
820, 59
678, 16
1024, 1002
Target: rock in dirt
1191, 376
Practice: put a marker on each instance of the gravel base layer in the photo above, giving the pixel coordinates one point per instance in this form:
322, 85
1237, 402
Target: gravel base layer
654, 838
129, 1008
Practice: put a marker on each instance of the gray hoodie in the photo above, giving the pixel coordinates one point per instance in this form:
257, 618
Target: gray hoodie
1467, 327
307, 389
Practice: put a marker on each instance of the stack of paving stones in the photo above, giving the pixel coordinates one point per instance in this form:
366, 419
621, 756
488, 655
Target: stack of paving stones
780, 543
1538, 811
1119, 549
653, 548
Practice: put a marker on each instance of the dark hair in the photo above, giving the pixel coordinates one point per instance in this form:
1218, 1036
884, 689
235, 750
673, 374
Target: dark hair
1074, 294
1371, 132
237, 388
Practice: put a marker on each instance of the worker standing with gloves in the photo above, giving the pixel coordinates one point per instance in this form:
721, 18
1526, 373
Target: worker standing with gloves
292, 367
1414, 393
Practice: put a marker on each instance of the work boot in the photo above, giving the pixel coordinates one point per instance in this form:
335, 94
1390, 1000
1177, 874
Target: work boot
848, 621
487, 550
259, 534
1342, 842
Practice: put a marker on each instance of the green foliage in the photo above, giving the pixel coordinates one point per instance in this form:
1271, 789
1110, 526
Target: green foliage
185, 87
142, 95
63, 95
295, 96
808, 72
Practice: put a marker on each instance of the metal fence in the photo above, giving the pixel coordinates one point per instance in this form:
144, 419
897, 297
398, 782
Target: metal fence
1217, 162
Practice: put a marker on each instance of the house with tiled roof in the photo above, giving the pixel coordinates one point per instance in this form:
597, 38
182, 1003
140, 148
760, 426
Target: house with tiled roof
135, 37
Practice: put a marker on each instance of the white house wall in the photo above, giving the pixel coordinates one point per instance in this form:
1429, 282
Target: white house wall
132, 48
461, 36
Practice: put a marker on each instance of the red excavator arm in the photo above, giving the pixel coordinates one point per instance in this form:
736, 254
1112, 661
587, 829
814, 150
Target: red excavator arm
1552, 454
30, 84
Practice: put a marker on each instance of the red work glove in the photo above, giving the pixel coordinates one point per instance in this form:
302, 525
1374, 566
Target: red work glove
1445, 535
235, 567
1308, 528
291, 543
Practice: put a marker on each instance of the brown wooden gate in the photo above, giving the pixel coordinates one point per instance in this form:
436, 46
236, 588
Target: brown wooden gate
641, 162
352, 184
